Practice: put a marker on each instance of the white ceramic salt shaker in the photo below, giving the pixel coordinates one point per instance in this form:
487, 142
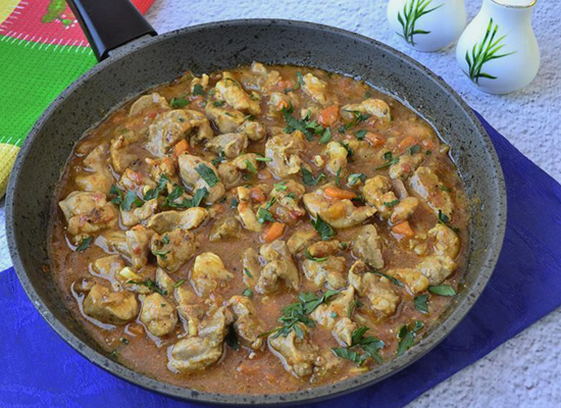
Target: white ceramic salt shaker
427, 25
498, 50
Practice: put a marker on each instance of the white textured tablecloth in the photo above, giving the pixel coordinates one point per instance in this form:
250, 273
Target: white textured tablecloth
526, 371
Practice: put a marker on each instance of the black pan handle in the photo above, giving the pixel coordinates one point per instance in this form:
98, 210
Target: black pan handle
108, 24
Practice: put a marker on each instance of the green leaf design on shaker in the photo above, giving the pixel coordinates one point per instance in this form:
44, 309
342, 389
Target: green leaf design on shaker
412, 11
485, 51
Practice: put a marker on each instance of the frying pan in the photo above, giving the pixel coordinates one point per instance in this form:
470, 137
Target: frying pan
133, 59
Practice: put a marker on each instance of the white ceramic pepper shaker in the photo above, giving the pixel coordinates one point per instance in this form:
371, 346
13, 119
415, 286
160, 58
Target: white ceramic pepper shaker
427, 25
498, 50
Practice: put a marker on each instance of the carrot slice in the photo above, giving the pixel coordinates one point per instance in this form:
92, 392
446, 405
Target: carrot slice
404, 228
408, 141
329, 115
180, 147
339, 193
274, 231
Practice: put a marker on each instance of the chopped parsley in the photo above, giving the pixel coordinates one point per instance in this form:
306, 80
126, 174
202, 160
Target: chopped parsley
407, 335
263, 213
370, 347
338, 177
305, 125
414, 149
296, 313
150, 284
348, 148
313, 258
117, 194
161, 254
309, 179
444, 219
195, 201
165, 239
198, 89
442, 187
442, 290
218, 159
178, 102
358, 117
355, 178
360, 134
263, 159
421, 303
155, 192
84, 244
234, 203
280, 186
390, 161
391, 204
250, 167
325, 230
131, 201
326, 136
207, 174
247, 292
179, 283
248, 273
388, 277
219, 103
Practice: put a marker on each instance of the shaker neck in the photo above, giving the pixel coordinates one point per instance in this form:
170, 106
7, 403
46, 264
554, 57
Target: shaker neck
509, 9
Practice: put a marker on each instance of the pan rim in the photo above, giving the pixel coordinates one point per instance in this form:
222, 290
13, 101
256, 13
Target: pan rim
313, 394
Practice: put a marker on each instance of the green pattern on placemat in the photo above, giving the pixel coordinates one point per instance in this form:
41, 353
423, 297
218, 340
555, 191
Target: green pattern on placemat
32, 75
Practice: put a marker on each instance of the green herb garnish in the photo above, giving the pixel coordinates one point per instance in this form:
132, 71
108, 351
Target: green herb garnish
391, 204
390, 161
131, 201
360, 134
280, 186
263, 159
155, 192
234, 203
442, 290
84, 244
442, 187
313, 258
407, 335
309, 179
370, 347
414, 149
421, 303
393, 280
178, 102
247, 292
218, 159
207, 174
179, 283
117, 194
219, 103
248, 273
355, 178
326, 136
250, 167
263, 213
325, 230
305, 125
198, 89
150, 284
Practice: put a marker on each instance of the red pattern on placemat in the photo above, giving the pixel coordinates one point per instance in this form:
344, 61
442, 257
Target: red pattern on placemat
42, 21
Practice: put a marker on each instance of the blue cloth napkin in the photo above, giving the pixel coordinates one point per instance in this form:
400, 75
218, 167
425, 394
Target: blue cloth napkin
39, 370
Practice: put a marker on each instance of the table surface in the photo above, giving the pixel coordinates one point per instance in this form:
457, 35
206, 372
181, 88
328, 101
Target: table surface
525, 371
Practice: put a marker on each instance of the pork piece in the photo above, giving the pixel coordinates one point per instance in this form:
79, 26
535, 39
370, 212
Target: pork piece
108, 266
283, 151
436, 268
136, 181
190, 311
404, 209
231, 91
173, 248
164, 281
253, 130
326, 363
226, 119
230, 175
261, 78
337, 213
202, 81
188, 219
251, 267
287, 199
298, 355
98, 177
246, 323
88, 212
158, 314
198, 352
413, 279
315, 88
376, 288
377, 192
163, 166
230, 144
405, 166
147, 101
329, 272
139, 214
279, 266
301, 238
170, 127
110, 307
138, 243
121, 150
371, 106
277, 102
209, 273
336, 157
246, 212
224, 228
197, 173
427, 185
335, 316
446, 241
367, 247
